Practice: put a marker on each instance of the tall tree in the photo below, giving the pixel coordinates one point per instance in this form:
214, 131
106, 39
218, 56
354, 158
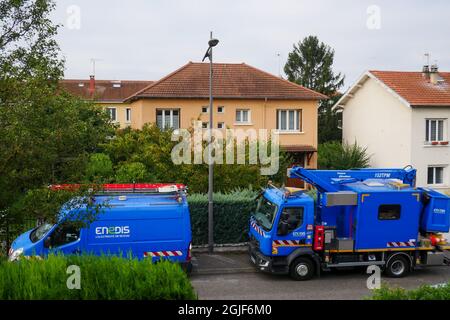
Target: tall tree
310, 64
45, 134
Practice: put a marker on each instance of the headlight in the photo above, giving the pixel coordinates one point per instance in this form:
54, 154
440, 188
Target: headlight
15, 254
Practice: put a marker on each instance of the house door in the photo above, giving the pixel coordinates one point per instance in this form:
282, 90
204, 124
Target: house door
298, 160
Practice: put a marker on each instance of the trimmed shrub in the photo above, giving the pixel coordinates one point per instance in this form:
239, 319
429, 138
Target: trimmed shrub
422, 293
102, 278
231, 216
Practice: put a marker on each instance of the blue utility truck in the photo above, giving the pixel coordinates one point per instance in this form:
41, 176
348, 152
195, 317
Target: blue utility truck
355, 218
145, 220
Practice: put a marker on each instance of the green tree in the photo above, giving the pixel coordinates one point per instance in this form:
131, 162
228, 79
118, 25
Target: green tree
336, 156
99, 168
133, 172
310, 64
46, 135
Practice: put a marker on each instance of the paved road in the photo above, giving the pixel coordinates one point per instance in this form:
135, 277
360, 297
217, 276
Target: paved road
339, 284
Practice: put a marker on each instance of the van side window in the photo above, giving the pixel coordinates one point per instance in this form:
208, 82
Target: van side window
64, 234
389, 212
294, 217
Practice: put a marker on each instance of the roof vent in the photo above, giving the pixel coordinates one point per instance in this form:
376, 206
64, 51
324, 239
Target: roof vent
435, 78
116, 84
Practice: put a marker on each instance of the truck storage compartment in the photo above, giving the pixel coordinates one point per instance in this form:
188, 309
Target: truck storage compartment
436, 214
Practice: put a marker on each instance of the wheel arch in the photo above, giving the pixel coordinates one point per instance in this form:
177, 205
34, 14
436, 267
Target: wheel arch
305, 252
403, 254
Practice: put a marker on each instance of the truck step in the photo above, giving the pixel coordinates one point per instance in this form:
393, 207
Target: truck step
446, 257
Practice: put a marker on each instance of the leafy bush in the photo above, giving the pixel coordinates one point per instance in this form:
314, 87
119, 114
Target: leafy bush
231, 216
133, 172
99, 168
102, 278
422, 293
336, 156
152, 148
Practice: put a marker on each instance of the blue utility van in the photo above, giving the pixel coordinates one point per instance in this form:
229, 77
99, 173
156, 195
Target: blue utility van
150, 221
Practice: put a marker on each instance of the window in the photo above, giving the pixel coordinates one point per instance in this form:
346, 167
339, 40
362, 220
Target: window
205, 109
389, 212
112, 113
243, 116
128, 115
64, 234
38, 233
293, 217
434, 130
435, 175
221, 125
289, 120
265, 213
168, 118
205, 125
220, 109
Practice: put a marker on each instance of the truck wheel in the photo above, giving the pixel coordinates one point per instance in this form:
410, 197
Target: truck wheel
397, 267
301, 269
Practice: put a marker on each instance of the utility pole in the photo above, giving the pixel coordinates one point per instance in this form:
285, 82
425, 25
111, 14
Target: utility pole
209, 53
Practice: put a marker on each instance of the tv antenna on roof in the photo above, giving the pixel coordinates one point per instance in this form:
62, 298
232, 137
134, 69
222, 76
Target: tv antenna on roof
93, 61
279, 64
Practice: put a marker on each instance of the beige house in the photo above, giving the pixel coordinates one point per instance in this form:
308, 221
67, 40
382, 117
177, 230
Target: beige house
244, 98
403, 119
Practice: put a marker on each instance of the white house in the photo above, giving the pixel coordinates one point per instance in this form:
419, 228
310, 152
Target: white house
403, 119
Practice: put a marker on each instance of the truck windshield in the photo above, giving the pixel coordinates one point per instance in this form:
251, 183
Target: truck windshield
265, 213
38, 233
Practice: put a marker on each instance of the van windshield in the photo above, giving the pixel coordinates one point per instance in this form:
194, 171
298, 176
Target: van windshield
38, 233
265, 213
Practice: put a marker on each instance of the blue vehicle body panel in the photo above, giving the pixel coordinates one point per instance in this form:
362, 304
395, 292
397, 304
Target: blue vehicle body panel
143, 225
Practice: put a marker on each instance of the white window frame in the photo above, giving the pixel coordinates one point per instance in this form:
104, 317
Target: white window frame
434, 167
298, 115
241, 114
207, 109
163, 118
220, 125
110, 109
429, 133
223, 109
128, 115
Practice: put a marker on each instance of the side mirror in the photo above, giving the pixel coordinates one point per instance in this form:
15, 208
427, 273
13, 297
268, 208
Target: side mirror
48, 242
283, 228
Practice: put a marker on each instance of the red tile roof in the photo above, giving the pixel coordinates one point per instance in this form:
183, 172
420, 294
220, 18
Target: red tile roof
232, 81
416, 89
104, 89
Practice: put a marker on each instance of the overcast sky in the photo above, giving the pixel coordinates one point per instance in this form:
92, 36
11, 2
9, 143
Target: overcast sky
147, 39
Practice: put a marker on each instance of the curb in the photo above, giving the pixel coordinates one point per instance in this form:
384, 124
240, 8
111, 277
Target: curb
218, 271
223, 248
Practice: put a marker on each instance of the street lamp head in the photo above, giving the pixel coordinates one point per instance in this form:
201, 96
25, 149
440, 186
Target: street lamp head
213, 43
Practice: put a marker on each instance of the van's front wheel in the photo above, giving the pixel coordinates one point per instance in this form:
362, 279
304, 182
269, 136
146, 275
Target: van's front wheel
301, 269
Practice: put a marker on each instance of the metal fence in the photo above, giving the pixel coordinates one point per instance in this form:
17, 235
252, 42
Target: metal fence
9, 230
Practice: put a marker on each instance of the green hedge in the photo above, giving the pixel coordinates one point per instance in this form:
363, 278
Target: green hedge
423, 293
231, 216
102, 278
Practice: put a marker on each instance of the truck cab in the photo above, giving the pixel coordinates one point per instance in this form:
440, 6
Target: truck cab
281, 228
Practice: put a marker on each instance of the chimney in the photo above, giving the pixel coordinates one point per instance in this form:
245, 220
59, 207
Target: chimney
435, 78
91, 84
426, 72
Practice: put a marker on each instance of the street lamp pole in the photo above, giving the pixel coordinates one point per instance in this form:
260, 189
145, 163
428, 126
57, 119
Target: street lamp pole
209, 53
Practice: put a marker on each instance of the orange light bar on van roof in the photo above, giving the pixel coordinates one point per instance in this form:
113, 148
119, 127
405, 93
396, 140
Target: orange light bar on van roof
120, 186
